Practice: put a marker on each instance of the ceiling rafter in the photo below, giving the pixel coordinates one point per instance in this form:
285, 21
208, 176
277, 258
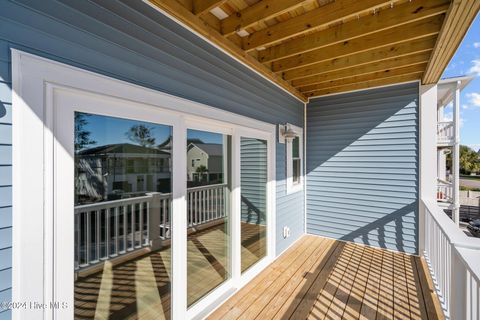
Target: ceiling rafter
357, 59
384, 20
309, 21
415, 30
259, 11
312, 48
178, 11
389, 64
365, 85
203, 6
415, 69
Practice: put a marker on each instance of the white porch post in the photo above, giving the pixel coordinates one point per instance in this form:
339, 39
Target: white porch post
428, 154
456, 155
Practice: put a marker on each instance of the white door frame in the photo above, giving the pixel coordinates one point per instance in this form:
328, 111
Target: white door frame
40, 87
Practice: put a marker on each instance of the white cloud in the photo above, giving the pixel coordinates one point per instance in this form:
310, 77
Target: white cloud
474, 146
476, 44
473, 99
475, 67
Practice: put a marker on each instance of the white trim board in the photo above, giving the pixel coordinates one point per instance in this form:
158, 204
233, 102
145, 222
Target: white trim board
39, 86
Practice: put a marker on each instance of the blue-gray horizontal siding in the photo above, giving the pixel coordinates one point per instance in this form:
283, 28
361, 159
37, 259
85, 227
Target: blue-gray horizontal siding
253, 180
130, 41
362, 167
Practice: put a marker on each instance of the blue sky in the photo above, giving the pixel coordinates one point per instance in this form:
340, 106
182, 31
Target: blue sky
467, 61
109, 130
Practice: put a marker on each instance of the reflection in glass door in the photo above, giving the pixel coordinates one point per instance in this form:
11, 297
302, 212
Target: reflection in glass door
208, 212
123, 178
253, 179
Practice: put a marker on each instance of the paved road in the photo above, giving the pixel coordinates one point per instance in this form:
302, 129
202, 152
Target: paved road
470, 183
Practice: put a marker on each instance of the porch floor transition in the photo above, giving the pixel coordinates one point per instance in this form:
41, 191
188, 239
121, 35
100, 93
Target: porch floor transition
320, 278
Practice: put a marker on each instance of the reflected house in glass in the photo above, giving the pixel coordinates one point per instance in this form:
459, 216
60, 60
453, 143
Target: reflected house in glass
113, 171
204, 162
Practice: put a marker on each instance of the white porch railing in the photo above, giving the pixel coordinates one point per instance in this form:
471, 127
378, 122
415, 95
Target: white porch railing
113, 228
445, 132
205, 204
454, 262
444, 191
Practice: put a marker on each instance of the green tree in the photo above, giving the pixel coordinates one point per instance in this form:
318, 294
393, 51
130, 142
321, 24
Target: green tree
141, 135
201, 169
82, 136
469, 160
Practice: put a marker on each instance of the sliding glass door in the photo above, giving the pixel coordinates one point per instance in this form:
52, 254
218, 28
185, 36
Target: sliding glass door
123, 181
168, 214
208, 212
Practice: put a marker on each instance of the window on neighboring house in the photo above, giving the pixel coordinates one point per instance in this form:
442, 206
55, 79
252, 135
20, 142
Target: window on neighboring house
295, 161
193, 162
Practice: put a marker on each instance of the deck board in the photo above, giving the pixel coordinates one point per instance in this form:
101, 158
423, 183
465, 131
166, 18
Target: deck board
319, 278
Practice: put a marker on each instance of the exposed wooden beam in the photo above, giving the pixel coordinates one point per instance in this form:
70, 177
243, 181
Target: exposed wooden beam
459, 17
383, 20
179, 12
416, 30
203, 6
365, 85
259, 11
375, 55
415, 69
389, 64
309, 21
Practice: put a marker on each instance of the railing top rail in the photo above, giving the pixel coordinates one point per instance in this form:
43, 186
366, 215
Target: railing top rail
470, 258
210, 186
112, 203
451, 231
442, 183
445, 122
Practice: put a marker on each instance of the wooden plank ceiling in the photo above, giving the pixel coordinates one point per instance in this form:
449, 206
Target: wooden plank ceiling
316, 47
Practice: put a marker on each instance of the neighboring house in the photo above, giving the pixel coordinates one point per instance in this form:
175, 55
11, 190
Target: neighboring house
328, 207
448, 142
107, 172
205, 162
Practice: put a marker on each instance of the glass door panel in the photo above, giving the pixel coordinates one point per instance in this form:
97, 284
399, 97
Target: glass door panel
253, 179
123, 178
208, 212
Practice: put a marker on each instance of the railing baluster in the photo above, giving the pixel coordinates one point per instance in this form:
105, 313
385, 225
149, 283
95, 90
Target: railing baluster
208, 203
204, 206
107, 236
140, 213
194, 194
216, 203
117, 238
77, 240
87, 238
190, 209
148, 224
164, 218
125, 217
97, 236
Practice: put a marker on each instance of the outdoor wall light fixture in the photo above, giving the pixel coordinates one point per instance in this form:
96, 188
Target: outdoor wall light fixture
285, 133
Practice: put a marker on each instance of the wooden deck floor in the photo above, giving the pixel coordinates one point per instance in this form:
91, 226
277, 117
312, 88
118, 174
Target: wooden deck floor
320, 278
140, 288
